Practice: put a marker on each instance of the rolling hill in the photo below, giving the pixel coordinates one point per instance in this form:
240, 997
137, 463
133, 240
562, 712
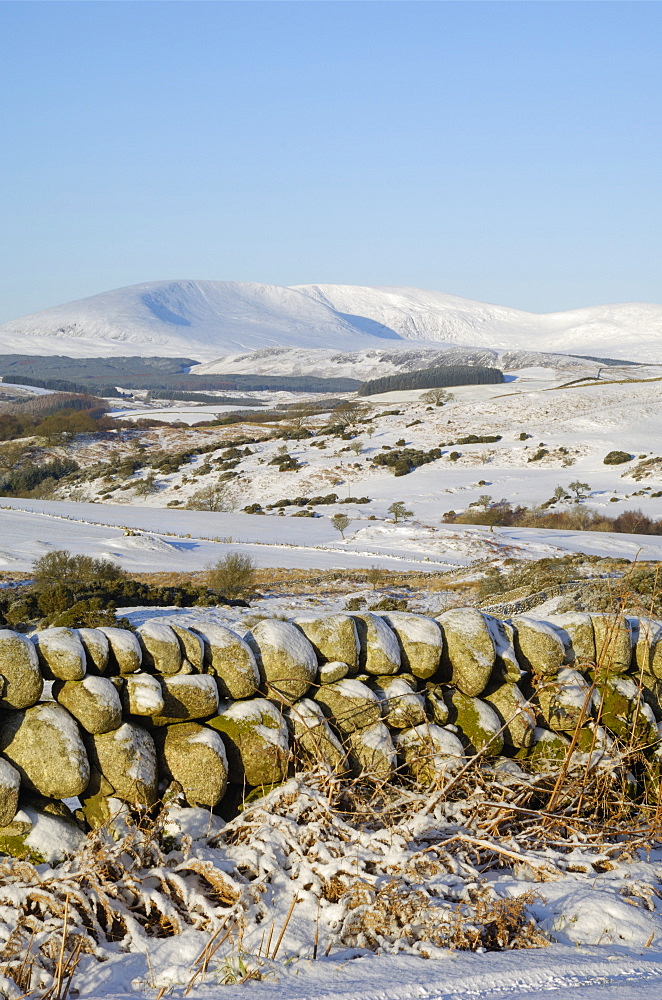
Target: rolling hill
213, 319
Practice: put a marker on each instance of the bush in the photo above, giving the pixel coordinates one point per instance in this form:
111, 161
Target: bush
60, 568
617, 458
22, 481
405, 460
233, 575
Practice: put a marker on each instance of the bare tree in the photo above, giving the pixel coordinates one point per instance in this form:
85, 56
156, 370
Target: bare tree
211, 497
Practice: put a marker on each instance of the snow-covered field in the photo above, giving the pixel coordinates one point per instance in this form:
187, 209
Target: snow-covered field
181, 540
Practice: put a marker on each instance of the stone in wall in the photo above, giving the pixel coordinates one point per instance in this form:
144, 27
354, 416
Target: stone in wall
22, 683
161, 651
97, 649
61, 654
194, 756
93, 701
230, 660
125, 652
420, 640
469, 653
285, 658
349, 704
380, 652
333, 637
256, 741
44, 745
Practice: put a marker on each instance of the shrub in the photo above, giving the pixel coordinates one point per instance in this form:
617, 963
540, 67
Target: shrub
233, 575
405, 460
617, 458
211, 497
60, 568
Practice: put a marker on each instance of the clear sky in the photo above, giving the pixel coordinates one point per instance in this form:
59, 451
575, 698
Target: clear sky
509, 152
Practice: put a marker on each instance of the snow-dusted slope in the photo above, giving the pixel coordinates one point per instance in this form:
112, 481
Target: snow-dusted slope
213, 319
632, 331
200, 319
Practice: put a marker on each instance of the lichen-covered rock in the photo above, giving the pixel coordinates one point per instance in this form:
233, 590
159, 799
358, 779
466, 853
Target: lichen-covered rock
515, 712
349, 704
10, 785
431, 753
403, 707
44, 745
256, 741
160, 647
93, 701
614, 643
192, 646
13, 836
61, 654
565, 700
97, 649
506, 667
547, 751
380, 652
142, 694
539, 646
194, 756
100, 809
126, 758
19, 668
186, 697
420, 641
372, 753
125, 651
469, 653
622, 709
333, 671
333, 637
477, 721
314, 740
579, 627
649, 647
436, 705
285, 658
230, 660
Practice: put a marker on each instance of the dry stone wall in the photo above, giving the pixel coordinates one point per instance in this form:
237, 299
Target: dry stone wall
113, 717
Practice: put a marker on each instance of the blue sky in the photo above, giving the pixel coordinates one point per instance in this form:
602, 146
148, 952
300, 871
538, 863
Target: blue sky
509, 152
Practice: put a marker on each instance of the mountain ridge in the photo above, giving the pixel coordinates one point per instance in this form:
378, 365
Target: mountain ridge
209, 320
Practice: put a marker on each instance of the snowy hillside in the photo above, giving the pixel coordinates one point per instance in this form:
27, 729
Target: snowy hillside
203, 319
628, 331
213, 319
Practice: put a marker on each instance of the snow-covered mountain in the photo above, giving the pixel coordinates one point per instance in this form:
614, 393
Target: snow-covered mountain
213, 319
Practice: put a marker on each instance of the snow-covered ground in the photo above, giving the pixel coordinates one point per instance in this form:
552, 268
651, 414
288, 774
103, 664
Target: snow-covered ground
182, 540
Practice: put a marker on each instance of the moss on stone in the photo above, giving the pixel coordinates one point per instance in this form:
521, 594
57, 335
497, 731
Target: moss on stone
477, 721
256, 741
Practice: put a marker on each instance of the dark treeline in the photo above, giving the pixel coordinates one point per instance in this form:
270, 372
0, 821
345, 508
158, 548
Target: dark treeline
63, 385
433, 378
102, 375
198, 397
